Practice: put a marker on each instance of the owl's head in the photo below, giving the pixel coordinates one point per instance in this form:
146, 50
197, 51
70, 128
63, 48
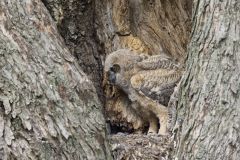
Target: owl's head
118, 66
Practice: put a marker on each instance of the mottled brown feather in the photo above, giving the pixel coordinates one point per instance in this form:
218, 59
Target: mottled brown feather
156, 84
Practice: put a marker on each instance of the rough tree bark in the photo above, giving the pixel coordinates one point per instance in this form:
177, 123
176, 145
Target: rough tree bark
76, 23
49, 109
210, 89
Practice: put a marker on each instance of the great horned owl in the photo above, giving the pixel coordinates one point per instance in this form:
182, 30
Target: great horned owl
147, 80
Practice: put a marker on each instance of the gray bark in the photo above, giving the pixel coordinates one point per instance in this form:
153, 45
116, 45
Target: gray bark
76, 22
49, 109
140, 147
210, 89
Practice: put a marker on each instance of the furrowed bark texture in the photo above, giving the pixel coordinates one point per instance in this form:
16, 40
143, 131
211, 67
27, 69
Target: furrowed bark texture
210, 90
49, 109
76, 23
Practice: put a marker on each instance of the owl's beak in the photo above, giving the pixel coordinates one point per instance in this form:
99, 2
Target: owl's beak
111, 77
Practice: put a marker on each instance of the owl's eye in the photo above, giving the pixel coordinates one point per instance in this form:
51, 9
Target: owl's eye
115, 68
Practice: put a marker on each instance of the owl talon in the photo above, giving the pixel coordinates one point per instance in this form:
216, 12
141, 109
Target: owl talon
151, 134
163, 133
152, 129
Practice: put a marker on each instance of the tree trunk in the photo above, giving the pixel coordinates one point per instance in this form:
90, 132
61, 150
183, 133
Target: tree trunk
210, 89
49, 108
76, 22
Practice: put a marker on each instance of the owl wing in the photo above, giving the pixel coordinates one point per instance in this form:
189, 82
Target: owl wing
157, 62
156, 84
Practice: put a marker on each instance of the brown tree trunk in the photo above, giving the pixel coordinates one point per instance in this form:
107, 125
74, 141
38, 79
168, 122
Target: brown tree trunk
210, 89
49, 109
